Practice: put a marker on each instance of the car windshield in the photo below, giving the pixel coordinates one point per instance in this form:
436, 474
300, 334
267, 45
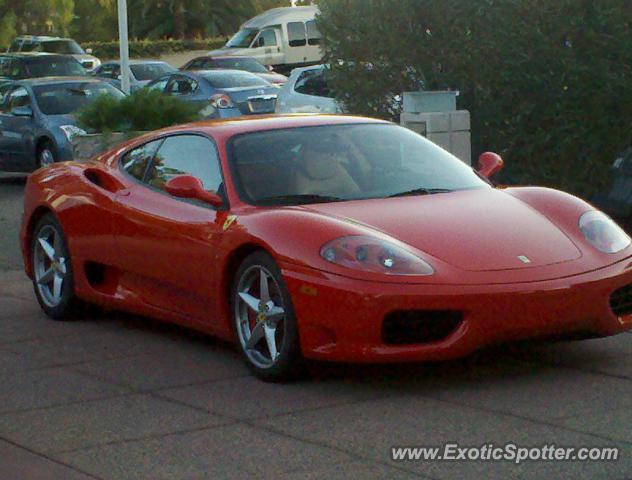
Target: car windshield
55, 67
66, 47
243, 38
66, 98
227, 79
247, 64
150, 71
343, 162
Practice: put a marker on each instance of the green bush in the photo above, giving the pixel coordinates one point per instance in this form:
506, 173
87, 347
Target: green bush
152, 48
144, 110
548, 83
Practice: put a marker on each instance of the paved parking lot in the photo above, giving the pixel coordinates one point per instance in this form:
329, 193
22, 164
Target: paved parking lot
121, 397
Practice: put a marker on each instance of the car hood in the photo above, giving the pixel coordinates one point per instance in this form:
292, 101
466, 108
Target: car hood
476, 230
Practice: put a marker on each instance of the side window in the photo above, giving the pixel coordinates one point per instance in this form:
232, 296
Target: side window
313, 34
199, 64
17, 70
18, 98
5, 66
267, 38
179, 86
159, 85
105, 71
4, 98
296, 34
186, 154
313, 82
116, 72
136, 161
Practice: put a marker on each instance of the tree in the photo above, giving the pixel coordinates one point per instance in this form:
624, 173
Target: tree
548, 82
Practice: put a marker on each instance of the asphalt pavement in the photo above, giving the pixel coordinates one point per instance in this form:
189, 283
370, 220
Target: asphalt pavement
116, 396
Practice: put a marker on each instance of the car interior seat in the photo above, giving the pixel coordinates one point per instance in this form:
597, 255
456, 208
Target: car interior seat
322, 173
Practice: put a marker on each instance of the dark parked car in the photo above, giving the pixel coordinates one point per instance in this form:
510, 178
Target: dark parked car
617, 201
63, 46
37, 122
247, 64
141, 72
15, 66
220, 93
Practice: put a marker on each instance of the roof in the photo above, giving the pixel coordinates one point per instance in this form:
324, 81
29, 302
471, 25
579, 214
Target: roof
40, 38
134, 62
215, 72
54, 80
222, 57
30, 55
280, 15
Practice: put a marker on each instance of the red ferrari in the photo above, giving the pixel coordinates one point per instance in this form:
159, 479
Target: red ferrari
322, 237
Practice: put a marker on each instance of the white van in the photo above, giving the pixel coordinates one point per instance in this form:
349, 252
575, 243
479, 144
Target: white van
284, 38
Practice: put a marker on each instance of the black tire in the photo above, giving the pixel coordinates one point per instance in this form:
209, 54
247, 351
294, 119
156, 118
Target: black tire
46, 154
68, 305
289, 363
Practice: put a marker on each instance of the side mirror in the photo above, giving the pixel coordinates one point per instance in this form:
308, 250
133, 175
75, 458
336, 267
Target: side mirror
89, 51
489, 163
188, 186
25, 111
270, 68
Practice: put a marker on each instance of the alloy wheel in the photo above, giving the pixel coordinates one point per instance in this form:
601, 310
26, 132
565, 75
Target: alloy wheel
49, 265
259, 316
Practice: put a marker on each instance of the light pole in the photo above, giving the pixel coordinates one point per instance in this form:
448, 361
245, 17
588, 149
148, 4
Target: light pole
123, 46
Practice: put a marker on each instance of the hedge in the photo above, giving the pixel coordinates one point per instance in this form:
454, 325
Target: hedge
143, 110
153, 48
548, 83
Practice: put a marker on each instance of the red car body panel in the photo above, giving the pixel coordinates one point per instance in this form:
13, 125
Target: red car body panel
166, 258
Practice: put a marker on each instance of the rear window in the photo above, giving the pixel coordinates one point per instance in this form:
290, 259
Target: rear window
246, 64
65, 47
55, 67
66, 98
150, 71
234, 79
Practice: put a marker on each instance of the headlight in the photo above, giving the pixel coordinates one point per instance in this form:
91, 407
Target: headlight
602, 233
71, 130
370, 254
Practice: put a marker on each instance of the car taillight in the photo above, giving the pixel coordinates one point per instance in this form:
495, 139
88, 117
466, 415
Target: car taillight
221, 100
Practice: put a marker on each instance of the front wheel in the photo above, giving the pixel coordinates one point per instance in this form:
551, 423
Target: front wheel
265, 324
46, 155
53, 279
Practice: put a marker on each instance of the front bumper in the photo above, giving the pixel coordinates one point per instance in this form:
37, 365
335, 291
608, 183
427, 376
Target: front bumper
340, 319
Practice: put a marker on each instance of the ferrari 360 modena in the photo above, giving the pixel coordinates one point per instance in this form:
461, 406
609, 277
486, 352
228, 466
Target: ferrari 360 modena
322, 237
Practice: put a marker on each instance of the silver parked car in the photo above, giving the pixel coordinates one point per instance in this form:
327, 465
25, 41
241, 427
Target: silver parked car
306, 91
64, 46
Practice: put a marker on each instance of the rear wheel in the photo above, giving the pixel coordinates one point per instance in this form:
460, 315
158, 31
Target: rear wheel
265, 326
53, 279
46, 154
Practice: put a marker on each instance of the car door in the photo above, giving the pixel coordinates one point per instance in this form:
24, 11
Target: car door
168, 244
266, 47
16, 132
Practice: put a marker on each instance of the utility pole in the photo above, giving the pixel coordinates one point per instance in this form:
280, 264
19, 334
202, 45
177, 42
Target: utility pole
123, 46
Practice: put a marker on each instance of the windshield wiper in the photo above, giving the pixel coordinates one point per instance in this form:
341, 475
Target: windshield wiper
421, 191
296, 199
